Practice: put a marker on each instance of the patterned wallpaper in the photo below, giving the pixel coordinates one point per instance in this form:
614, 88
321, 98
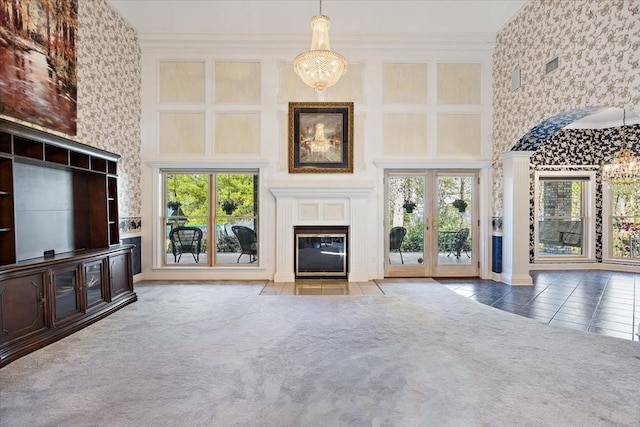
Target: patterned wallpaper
598, 46
582, 147
109, 103
109, 95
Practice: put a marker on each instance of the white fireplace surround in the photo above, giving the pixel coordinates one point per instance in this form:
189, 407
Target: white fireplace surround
311, 203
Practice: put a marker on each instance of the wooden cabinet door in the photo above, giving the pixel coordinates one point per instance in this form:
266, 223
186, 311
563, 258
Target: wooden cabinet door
22, 307
120, 274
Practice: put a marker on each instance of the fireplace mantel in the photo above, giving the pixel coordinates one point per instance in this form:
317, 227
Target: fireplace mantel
341, 202
323, 188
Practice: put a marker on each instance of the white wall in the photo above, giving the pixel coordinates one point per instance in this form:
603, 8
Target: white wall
414, 86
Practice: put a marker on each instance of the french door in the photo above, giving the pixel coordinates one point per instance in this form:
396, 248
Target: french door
431, 223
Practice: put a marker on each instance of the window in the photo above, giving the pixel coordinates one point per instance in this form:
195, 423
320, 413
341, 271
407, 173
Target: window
624, 221
211, 218
564, 209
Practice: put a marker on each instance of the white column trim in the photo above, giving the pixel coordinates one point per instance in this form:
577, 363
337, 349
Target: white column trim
515, 238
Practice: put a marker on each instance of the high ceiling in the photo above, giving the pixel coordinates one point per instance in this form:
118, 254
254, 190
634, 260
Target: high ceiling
294, 16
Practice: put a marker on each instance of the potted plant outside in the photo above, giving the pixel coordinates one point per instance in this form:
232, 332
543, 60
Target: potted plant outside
228, 206
408, 206
460, 204
174, 205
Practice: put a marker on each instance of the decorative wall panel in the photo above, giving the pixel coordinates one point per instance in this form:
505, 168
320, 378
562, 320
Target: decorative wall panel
334, 212
237, 133
181, 82
405, 134
237, 83
309, 212
405, 83
459, 134
181, 133
459, 84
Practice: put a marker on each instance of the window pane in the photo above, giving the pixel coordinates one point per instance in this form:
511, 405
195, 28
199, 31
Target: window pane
187, 196
560, 237
236, 218
625, 221
561, 219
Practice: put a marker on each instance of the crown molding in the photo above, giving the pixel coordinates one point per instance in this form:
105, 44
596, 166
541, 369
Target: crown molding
278, 43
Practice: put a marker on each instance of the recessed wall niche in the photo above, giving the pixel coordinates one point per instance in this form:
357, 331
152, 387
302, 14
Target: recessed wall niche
181, 82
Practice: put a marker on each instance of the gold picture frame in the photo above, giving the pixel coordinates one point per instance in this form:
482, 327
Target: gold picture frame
321, 137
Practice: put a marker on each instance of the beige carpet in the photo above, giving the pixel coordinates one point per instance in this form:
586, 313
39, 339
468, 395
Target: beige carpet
420, 355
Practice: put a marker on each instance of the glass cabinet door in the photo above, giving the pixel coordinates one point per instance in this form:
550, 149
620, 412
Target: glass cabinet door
67, 301
94, 283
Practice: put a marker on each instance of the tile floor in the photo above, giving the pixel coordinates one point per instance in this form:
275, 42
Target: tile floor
602, 302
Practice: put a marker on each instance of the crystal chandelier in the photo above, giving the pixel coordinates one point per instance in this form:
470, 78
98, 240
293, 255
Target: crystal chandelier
320, 67
625, 167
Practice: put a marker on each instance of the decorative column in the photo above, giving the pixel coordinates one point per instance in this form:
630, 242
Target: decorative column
515, 236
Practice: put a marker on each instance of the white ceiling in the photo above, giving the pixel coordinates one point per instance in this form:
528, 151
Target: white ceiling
294, 16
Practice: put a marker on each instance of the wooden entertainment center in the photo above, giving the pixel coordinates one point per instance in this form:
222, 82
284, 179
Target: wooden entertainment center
46, 298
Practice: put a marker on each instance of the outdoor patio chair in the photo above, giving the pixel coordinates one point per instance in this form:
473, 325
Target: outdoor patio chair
459, 243
185, 240
248, 242
396, 236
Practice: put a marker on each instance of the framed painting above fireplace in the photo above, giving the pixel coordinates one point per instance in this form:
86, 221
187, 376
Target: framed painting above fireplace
321, 137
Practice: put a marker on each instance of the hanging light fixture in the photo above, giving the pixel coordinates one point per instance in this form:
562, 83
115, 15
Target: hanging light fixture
625, 167
320, 67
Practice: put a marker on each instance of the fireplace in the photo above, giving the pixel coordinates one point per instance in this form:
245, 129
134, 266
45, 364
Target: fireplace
327, 206
321, 251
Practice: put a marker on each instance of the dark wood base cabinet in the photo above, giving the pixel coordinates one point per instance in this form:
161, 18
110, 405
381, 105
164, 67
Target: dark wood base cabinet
44, 300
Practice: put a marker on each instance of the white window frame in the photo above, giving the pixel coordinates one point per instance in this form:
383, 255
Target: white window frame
589, 210
159, 242
607, 232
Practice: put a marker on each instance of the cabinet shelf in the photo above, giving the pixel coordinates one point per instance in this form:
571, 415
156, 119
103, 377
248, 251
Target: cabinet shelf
92, 173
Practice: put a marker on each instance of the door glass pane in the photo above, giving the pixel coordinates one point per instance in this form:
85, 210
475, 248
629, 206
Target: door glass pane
93, 277
455, 216
625, 220
236, 218
187, 207
561, 220
406, 220
66, 293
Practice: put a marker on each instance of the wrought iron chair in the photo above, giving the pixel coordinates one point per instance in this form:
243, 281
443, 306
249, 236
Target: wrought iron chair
185, 240
248, 242
459, 243
396, 236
